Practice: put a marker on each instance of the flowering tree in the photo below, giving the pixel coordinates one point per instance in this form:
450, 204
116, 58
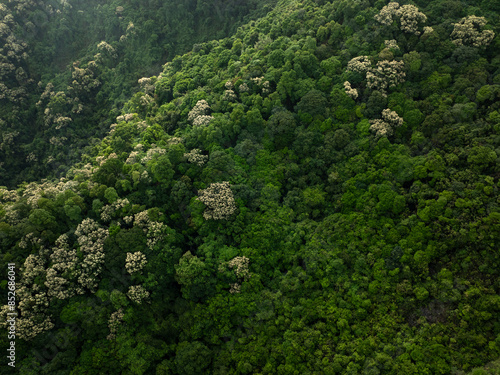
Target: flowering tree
91, 239
468, 32
409, 17
384, 127
135, 262
196, 157
198, 115
137, 294
219, 200
386, 74
353, 93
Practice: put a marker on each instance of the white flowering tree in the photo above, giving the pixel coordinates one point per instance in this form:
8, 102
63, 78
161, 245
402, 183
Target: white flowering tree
469, 32
386, 74
385, 126
219, 200
135, 262
408, 15
198, 115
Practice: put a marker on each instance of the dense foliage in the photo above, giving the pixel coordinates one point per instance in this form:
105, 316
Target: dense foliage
67, 67
316, 194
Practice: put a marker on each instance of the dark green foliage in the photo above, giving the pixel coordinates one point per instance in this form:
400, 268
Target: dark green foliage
192, 358
281, 128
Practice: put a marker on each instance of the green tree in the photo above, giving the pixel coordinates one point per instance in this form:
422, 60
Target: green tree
192, 358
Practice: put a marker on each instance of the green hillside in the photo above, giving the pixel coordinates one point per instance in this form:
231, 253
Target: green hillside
69, 66
317, 193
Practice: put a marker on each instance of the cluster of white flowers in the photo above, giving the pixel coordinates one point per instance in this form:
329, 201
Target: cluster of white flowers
32, 298
386, 126
109, 210
132, 158
152, 152
84, 80
103, 159
137, 293
380, 127
468, 32
63, 261
135, 262
146, 100
243, 88
391, 44
174, 141
235, 288
409, 17
57, 141
8, 138
229, 95
57, 286
386, 14
353, 93
90, 237
34, 191
31, 323
155, 234
155, 231
427, 31
31, 157
33, 302
219, 200
145, 177
266, 87
146, 85
105, 47
129, 32
7, 195
200, 109
128, 219
141, 125
240, 267
34, 266
392, 117
257, 80
86, 171
196, 157
12, 55
360, 64
142, 220
385, 75
114, 322
126, 117
202, 120
229, 85
62, 121
130, 28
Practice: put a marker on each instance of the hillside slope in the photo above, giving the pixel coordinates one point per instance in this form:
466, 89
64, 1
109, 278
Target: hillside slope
316, 194
69, 66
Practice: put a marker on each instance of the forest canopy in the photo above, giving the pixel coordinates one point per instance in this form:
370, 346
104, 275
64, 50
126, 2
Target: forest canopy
257, 187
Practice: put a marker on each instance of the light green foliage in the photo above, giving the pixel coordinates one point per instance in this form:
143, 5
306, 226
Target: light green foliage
111, 195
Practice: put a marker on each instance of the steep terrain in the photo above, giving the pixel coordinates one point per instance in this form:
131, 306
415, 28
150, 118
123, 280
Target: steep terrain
69, 66
315, 194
